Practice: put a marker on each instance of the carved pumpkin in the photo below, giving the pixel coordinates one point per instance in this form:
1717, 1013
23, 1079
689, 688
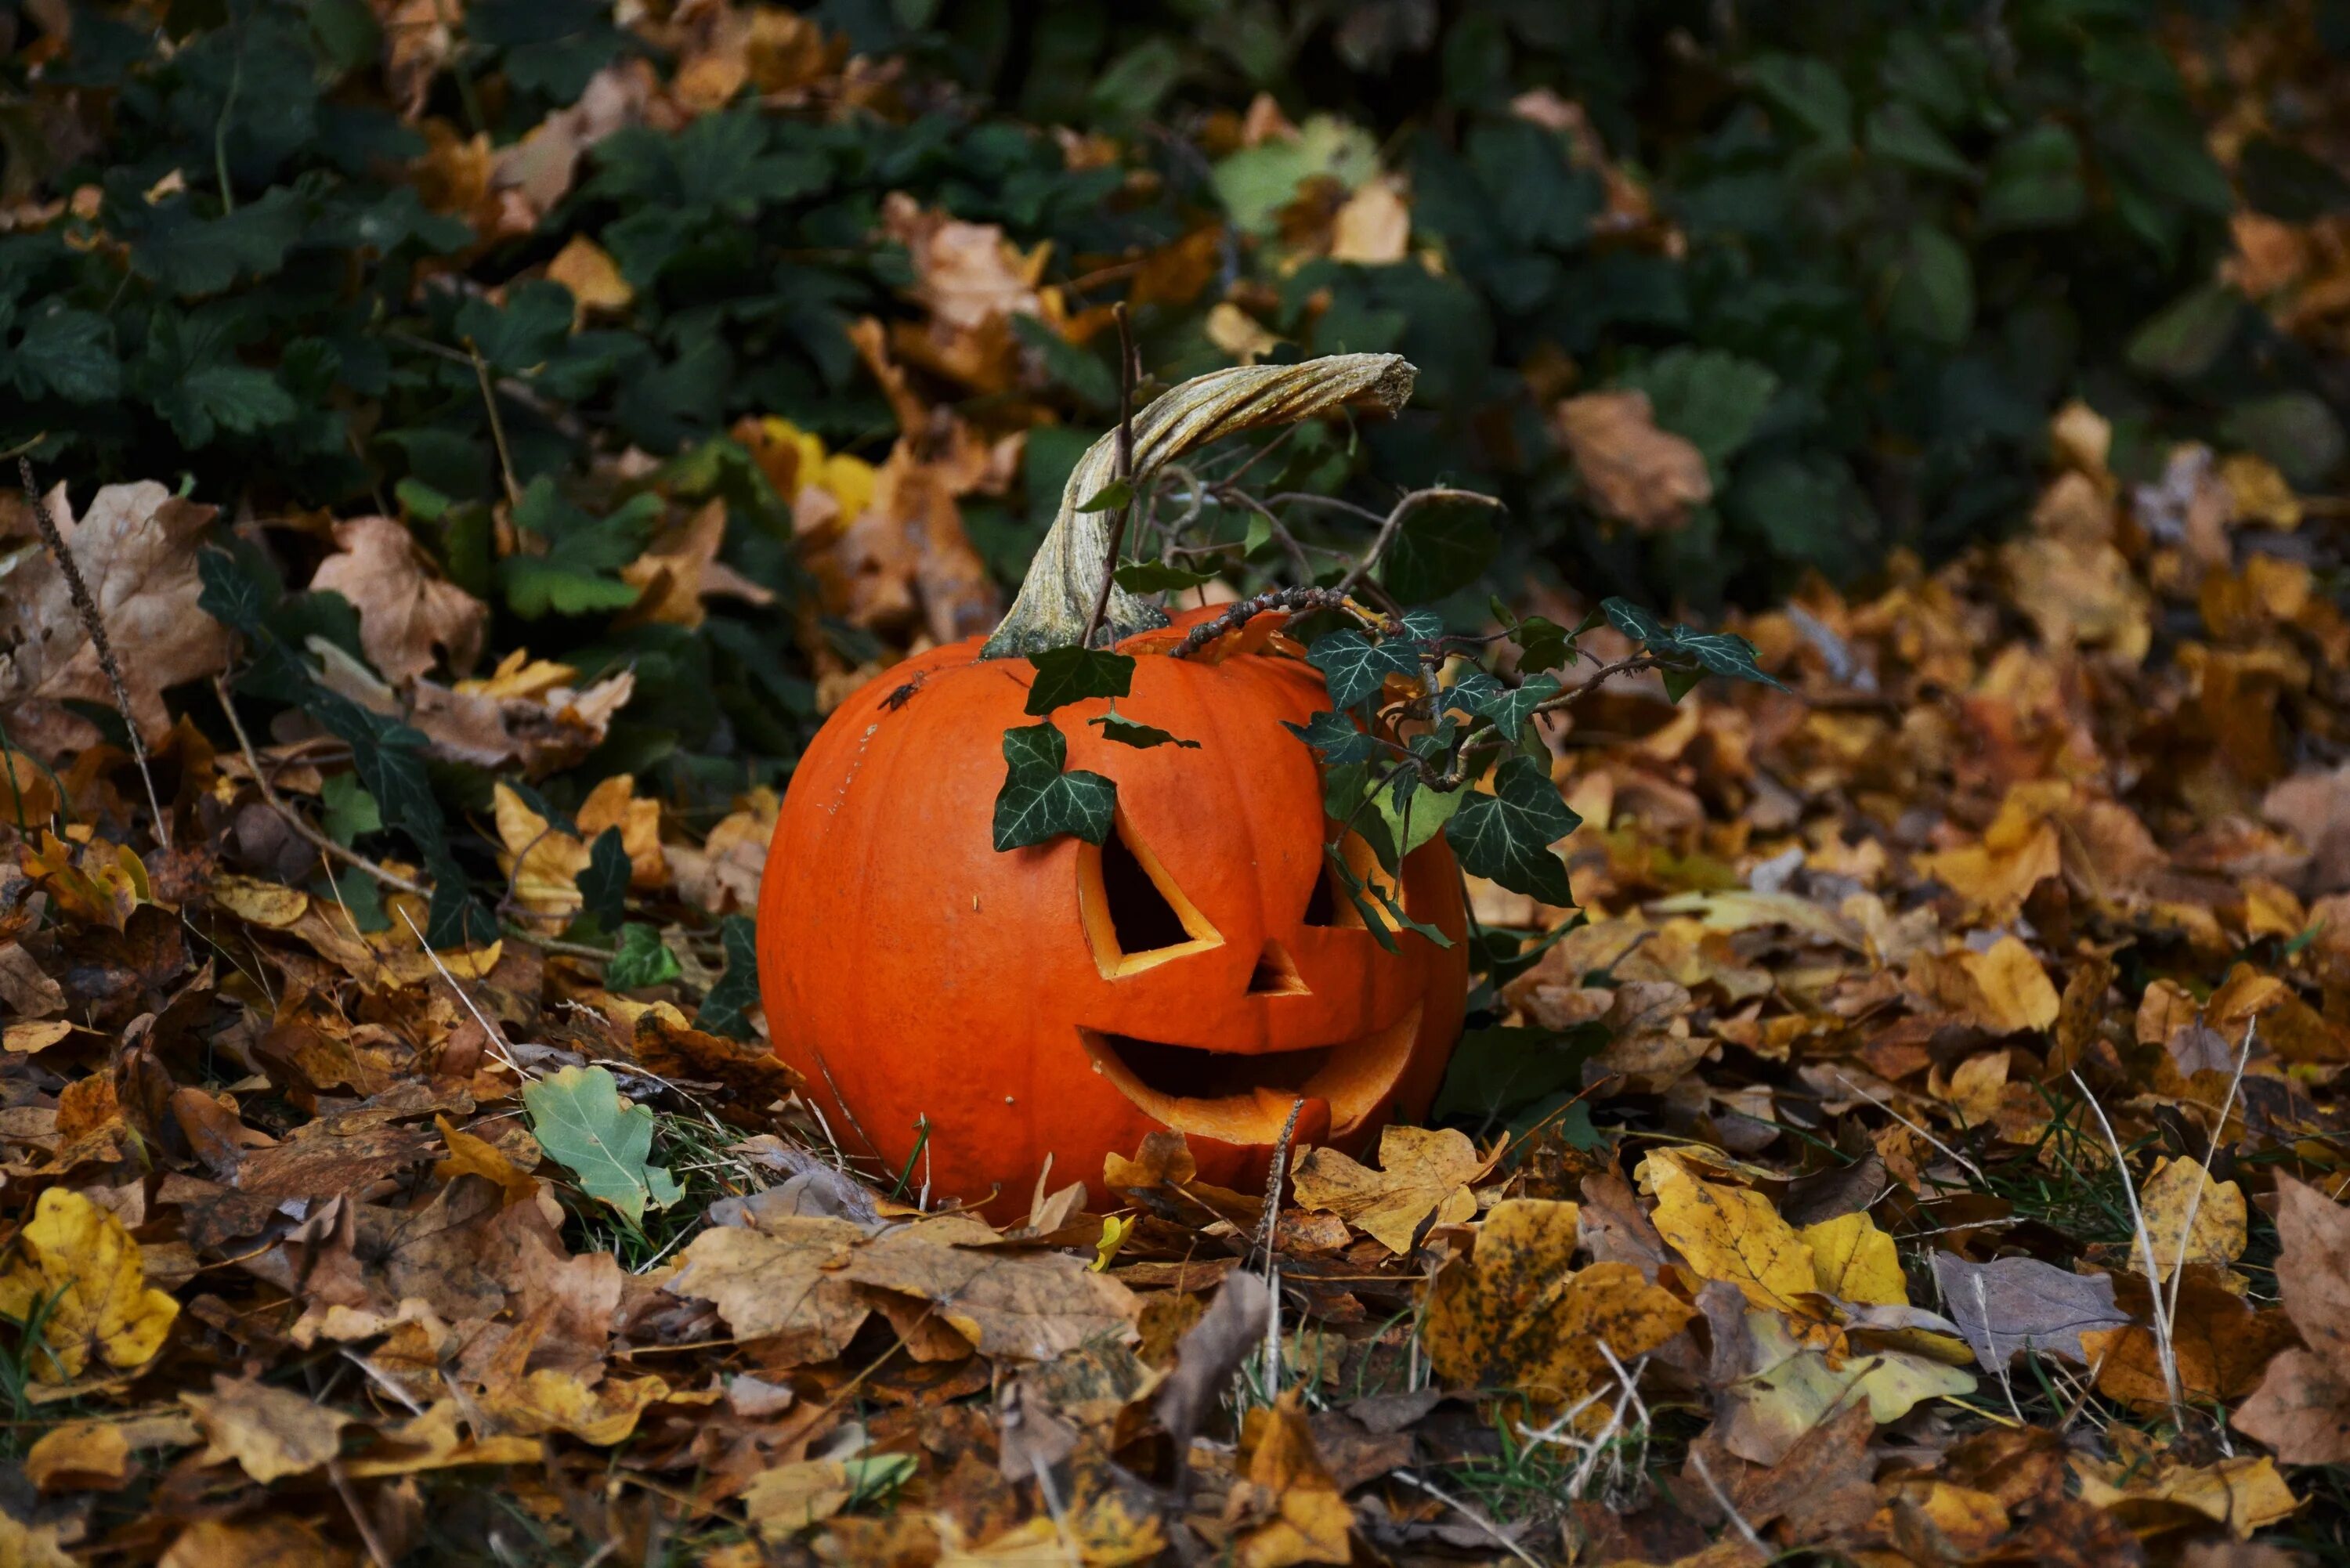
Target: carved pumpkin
1197, 971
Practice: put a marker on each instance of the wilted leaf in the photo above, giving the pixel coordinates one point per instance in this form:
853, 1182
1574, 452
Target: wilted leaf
80, 1270
2012, 1304
1636, 472
2191, 1218
271, 1433
1422, 1179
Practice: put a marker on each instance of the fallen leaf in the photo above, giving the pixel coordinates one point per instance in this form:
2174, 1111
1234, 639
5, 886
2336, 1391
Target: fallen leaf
2245, 1493
1795, 1388
1286, 1504
78, 1259
580, 1118
1636, 472
780, 1282
2222, 1346
1853, 1260
1422, 1179
262, 1543
2014, 992
2302, 1408
786, 1499
80, 1456
587, 270
1731, 1234
136, 548
1517, 1315
271, 1433
1210, 1351
2012, 1304
409, 620
2180, 1193
1007, 1303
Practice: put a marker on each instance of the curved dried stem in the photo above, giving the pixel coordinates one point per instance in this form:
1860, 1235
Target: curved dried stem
1056, 600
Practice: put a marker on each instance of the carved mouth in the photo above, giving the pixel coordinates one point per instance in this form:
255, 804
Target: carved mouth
1245, 1098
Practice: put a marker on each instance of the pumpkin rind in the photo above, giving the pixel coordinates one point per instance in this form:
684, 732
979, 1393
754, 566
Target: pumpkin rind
911, 971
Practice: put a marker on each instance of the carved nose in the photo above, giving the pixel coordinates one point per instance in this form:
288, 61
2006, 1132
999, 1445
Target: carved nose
1276, 974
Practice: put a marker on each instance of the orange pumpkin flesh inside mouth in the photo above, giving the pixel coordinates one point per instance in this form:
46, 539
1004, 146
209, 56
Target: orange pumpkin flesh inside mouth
1246, 1098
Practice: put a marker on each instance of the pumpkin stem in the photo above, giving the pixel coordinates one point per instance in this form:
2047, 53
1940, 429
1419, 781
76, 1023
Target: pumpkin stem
1057, 598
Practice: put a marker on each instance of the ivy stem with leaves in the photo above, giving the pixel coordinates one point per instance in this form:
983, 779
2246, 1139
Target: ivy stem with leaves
294, 819
1403, 507
1242, 611
85, 607
1125, 471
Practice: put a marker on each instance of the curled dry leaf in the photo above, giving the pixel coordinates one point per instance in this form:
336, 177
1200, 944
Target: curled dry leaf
1636, 472
2302, 1408
1423, 1179
271, 1433
410, 619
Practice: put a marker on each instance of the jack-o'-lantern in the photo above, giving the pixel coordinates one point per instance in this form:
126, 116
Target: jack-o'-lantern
973, 1011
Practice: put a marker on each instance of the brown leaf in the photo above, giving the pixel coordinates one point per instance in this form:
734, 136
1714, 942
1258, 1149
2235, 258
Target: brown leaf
1636, 472
271, 1433
779, 1282
1422, 1179
2302, 1408
2012, 1304
2222, 1346
264, 1542
136, 548
1027, 1306
1286, 1505
409, 620
2315, 807
1211, 1350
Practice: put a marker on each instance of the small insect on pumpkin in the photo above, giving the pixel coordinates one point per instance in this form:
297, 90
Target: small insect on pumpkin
973, 1010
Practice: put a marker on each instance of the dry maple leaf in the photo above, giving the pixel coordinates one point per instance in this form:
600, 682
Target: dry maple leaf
410, 619
2190, 1217
779, 1282
271, 1433
1516, 1314
136, 549
1422, 1179
1636, 472
1024, 1305
2302, 1408
1284, 1502
1731, 1234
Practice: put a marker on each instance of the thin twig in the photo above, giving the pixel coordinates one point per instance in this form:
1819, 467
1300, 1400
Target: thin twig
1242, 611
2163, 1352
1125, 475
376, 1554
1745, 1530
1268, 1225
1973, 1168
295, 820
87, 609
495, 1036
498, 425
1410, 502
1469, 1514
2195, 1197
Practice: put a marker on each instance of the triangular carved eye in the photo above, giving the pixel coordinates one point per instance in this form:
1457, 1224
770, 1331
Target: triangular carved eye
1276, 974
1330, 905
1135, 915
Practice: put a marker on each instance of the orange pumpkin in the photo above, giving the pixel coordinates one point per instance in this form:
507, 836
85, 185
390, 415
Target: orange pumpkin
1197, 971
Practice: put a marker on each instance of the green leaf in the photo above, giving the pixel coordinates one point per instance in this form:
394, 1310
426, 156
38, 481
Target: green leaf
1439, 549
579, 1118
726, 1009
643, 960
1354, 668
1066, 675
2183, 338
1257, 182
1933, 289
1337, 738
1413, 813
1117, 493
2295, 430
1542, 644
1039, 802
1127, 733
1808, 90
1638, 624
572, 577
603, 881
1497, 1072
1713, 399
1511, 707
1154, 577
1720, 652
1899, 133
2035, 181
350, 809
1506, 837
67, 353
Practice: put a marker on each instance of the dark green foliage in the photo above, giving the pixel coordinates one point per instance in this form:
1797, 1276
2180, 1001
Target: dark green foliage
726, 1008
1039, 802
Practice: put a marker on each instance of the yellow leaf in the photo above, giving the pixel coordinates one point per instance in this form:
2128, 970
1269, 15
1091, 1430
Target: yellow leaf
2218, 1233
78, 1260
542, 862
548, 1400
1422, 1172
25, 1545
271, 1433
2013, 991
1853, 1260
80, 1456
31, 1038
1115, 1229
2019, 850
2244, 1493
471, 1156
585, 268
614, 804
1731, 1234
261, 903
1797, 1389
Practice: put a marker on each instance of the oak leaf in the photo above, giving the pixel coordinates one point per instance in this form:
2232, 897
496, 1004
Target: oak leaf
271, 1433
2302, 1408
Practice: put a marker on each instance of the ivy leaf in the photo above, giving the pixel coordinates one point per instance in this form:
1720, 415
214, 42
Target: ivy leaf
1511, 707
726, 1009
1354, 889
1155, 577
454, 919
1501, 1071
1038, 801
1117, 493
1439, 550
1638, 624
579, 1116
1723, 653
351, 810
604, 883
1127, 733
1354, 666
1395, 912
1542, 644
643, 960
1506, 837
1337, 738
1066, 675
1413, 813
